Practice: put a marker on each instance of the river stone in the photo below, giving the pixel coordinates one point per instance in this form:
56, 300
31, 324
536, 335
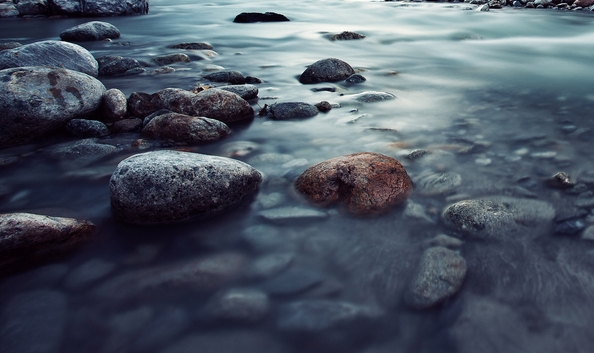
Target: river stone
326, 70
497, 217
433, 184
78, 154
346, 35
32, 7
86, 128
251, 17
167, 186
26, 238
270, 265
9, 45
185, 128
114, 105
126, 125
584, 3
295, 280
139, 104
292, 110
171, 59
192, 46
238, 306
114, 65
37, 101
51, 53
90, 31
372, 97
8, 10
100, 7
230, 76
244, 91
368, 183
440, 275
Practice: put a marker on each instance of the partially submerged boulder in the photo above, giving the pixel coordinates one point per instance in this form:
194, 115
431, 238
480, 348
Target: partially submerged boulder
115, 65
326, 70
100, 7
292, 110
184, 128
90, 31
251, 17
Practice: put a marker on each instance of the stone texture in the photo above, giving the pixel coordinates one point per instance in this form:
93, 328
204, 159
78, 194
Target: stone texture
367, 183
171, 59
292, 110
184, 128
90, 31
326, 70
100, 7
346, 35
192, 46
114, 105
229, 76
51, 53
167, 186
244, 91
32, 7
114, 65
86, 128
37, 101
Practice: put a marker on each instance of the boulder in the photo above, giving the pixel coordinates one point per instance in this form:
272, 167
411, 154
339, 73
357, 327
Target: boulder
114, 105
51, 53
184, 128
192, 46
26, 238
169, 59
86, 128
244, 91
32, 7
229, 76
346, 35
367, 183
326, 70
251, 17
37, 101
114, 65
584, 3
100, 7
168, 186
292, 110
90, 31
139, 104
8, 10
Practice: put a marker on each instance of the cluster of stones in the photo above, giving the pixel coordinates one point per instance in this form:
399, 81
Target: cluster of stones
576, 5
29, 8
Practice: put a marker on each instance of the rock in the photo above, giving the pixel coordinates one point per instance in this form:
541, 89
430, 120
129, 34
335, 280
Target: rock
570, 227
324, 106
432, 184
440, 275
560, 181
292, 215
326, 70
244, 91
416, 211
292, 110
34, 322
265, 238
346, 35
367, 183
200, 275
86, 128
584, 3
167, 186
38, 101
233, 77
253, 80
90, 31
10, 45
270, 265
88, 273
139, 104
99, 8
126, 125
497, 218
32, 7
371, 97
356, 78
238, 306
81, 153
239, 148
26, 238
292, 281
114, 105
171, 59
185, 128
192, 46
229, 341
8, 10
50, 53
114, 65
445, 241
251, 17
588, 233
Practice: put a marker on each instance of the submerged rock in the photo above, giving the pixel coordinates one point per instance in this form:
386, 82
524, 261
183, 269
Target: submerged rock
244, 91
238, 305
292, 110
114, 65
229, 76
367, 183
251, 17
192, 46
38, 101
326, 70
346, 35
86, 128
231, 341
167, 186
94, 30
185, 128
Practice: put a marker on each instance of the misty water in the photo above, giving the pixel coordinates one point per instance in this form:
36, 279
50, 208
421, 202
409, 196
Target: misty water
501, 100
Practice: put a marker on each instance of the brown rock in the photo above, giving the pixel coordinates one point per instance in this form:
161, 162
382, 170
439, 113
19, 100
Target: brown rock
584, 3
222, 105
126, 125
185, 128
140, 105
114, 105
368, 183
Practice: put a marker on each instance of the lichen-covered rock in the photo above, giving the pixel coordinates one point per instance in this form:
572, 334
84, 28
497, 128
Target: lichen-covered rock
37, 101
326, 70
50, 53
114, 105
367, 183
114, 65
90, 31
100, 7
292, 110
184, 128
168, 186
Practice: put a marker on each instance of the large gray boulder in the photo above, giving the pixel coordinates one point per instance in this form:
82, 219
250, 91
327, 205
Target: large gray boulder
51, 53
100, 7
184, 128
168, 186
94, 30
37, 101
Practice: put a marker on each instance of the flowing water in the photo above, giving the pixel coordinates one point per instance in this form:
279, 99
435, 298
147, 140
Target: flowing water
502, 99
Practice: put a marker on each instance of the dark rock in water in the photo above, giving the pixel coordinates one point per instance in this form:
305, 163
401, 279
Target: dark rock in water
140, 105
416, 154
560, 181
326, 70
431, 184
324, 106
232, 77
372, 97
570, 227
100, 7
292, 281
171, 59
26, 238
368, 183
253, 80
440, 275
90, 31
150, 117
113, 65
86, 128
32, 7
251, 17
346, 35
184, 128
38, 101
167, 186
81, 153
292, 110
356, 78
114, 105
34, 322
126, 125
51, 53
229, 341
192, 46
244, 91
238, 306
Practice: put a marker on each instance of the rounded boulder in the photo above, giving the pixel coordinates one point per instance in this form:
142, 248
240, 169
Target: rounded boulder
168, 186
185, 128
367, 183
90, 31
326, 70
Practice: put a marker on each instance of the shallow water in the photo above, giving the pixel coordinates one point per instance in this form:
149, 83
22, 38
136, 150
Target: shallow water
503, 98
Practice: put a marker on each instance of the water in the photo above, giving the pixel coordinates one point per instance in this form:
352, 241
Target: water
502, 98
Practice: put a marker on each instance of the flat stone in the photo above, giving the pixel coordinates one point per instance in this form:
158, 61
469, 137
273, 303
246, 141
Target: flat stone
292, 110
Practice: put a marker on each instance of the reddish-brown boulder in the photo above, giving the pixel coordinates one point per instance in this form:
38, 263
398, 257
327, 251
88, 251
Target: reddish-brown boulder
584, 3
185, 128
368, 183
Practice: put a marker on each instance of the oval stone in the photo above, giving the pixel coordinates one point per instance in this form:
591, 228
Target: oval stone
326, 70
